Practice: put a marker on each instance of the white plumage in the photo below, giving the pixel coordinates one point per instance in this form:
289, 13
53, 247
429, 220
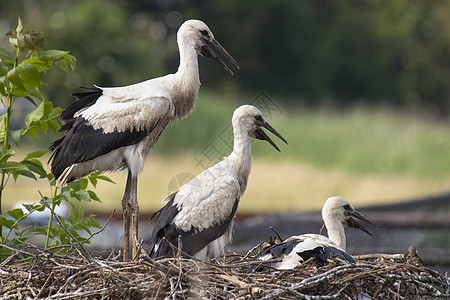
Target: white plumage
201, 212
336, 213
114, 128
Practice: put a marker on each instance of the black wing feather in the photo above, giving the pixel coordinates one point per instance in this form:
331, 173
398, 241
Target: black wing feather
280, 249
322, 254
83, 99
165, 218
83, 143
192, 241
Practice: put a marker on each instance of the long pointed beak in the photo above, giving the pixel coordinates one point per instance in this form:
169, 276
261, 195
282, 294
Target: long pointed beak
261, 135
351, 222
207, 51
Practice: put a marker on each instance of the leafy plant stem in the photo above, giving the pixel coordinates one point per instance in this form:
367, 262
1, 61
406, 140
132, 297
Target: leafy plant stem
6, 140
15, 224
50, 220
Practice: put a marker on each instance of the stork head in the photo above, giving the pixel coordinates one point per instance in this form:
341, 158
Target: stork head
199, 33
252, 119
337, 208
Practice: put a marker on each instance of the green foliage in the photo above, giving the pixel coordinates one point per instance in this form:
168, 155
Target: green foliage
365, 140
20, 76
343, 52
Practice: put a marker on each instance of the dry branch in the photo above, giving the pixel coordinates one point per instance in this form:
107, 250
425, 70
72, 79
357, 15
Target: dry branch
51, 276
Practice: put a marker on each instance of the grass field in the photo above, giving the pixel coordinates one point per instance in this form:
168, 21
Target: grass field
360, 140
366, 155
281, 185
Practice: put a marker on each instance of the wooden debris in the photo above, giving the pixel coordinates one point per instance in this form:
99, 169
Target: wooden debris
37, 274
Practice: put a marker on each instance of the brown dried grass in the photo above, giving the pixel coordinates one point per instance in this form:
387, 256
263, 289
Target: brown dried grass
36, 274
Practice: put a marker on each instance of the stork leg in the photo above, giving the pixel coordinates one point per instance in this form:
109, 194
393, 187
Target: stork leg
134, 216
126, 209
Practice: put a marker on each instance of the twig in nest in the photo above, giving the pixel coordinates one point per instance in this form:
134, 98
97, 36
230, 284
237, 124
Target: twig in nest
45, 285
103, 228
180, 270
322, 228
8, 259
138, 252
378, 255
251, 250
276, 232
17, 250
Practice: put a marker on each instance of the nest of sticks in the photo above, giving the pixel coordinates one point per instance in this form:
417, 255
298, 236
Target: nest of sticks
34, 274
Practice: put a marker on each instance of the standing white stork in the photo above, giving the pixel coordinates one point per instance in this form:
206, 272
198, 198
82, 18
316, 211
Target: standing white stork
202, 211
114, 128
336, 213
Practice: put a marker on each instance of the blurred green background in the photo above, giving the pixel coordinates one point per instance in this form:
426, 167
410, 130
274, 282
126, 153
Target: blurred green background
360, 89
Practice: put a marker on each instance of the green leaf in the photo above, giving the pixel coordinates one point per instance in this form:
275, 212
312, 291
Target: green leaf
92, 222
30, 75
42, 126
73, 214
66, 62
75, 185
84, 183
83, 195
5, 54
53, 125
19, 92
2, 87
20, 42
5, 222
51, 55
30, 207
33, 131
80, 213
65, 196
40, 207
94, 196
39, 64
35, 168
48, 107
14, 78
71, 60
6, 154
2, 128
35, 93
56, 112
3, 70
93, 181
35, 161
12, 167
104, 178
35, 154
35, 115
16, 213
15, 136
27, 173
13, 41
63, 65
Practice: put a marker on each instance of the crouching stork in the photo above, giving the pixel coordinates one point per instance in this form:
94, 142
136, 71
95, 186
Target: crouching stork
201, 213
112, 129
336, 213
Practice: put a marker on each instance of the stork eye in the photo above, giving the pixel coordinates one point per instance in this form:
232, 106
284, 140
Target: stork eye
258, 118
204, 32
347, 207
